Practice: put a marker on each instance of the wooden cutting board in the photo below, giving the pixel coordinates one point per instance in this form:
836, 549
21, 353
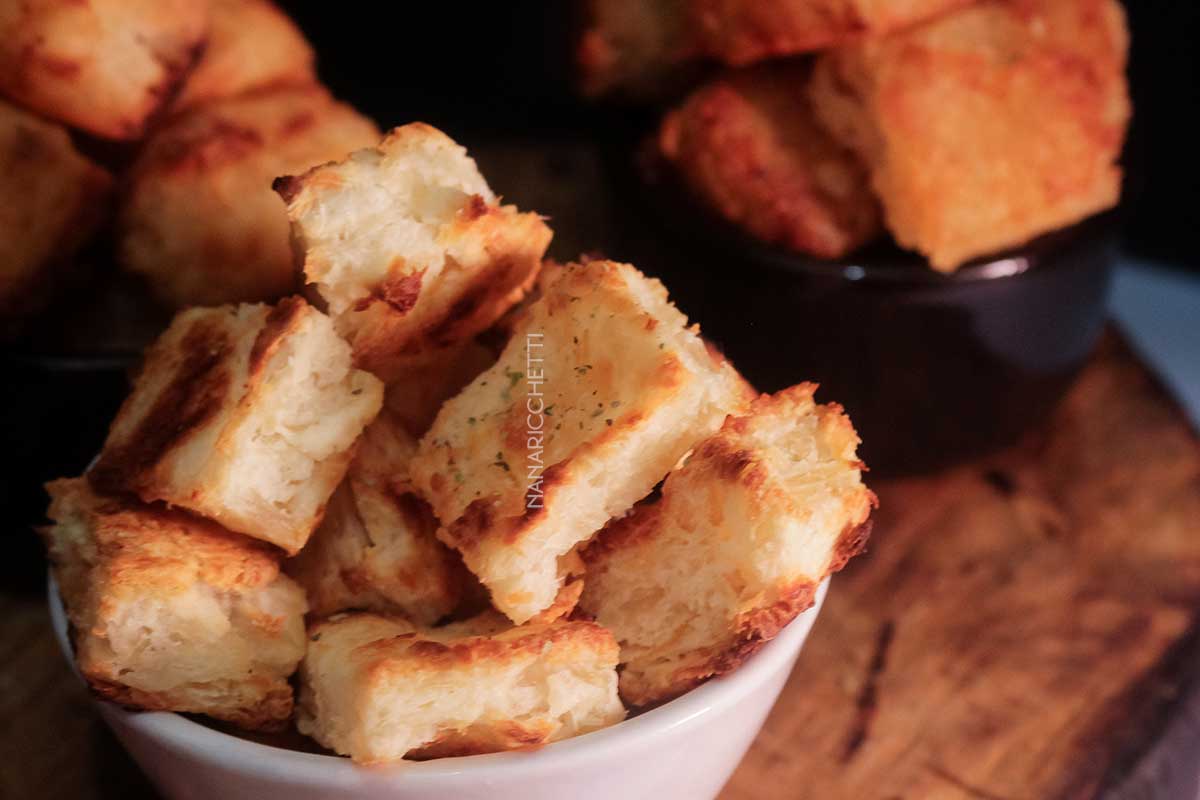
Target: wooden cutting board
1021, 628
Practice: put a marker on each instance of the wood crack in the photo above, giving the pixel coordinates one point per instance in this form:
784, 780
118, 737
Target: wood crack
868, 694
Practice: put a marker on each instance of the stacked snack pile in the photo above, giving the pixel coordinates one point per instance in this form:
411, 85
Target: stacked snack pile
147, 132
455, 547
963, 127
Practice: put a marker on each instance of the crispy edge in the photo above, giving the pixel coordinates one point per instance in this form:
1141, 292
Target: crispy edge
386, 657
270, 714
201, 382
57, 92
754, 627
751, 631
742, 32
516, 242
757, 156
253, 564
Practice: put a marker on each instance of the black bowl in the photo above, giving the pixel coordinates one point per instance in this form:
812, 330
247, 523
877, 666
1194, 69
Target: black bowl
933, 368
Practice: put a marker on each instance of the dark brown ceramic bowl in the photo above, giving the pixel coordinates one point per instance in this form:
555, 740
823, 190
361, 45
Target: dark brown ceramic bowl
932, 368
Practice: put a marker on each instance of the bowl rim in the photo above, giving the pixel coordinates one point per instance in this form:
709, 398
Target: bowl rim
886, 265
178, 733
881, 263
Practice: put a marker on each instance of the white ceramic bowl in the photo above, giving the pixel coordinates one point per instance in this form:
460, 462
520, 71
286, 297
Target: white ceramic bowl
684, 749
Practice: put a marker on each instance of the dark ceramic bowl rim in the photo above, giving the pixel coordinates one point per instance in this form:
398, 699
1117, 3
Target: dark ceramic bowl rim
881, 263
897, 267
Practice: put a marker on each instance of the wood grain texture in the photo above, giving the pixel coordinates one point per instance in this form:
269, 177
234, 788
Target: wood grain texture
1021, 628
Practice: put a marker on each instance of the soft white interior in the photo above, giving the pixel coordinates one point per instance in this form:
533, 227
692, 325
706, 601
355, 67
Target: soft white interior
715, 548
378, 714
201, 635
310, 408
153, 623
376, 548
372, 552
418, 706
399, 200
621, 434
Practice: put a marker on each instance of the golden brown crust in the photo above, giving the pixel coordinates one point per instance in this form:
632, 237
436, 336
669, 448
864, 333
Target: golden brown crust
749, 146
200, 385
283, 319
640, 526
199, 219
625, 388
377, 547
106, 66
503, 737
573, 572
134, 540
528, 685
987, 127
251, 44
138, 583
752, 630
696, 582
271, 710
378, 657
853, 540
447, 265
741, 32
383, 333
247, 415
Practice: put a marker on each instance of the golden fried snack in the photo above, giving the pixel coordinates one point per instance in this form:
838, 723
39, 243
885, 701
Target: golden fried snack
172, 612
377, 548
599, 392
409, 247
988, 127
245, 414
377, 689
52, 199
741, 32
251, 44
199, 219
635, 48
694, 583
749, 146
105, 66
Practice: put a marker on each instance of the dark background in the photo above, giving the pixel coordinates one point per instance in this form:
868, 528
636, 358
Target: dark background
485, 70
497, 75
